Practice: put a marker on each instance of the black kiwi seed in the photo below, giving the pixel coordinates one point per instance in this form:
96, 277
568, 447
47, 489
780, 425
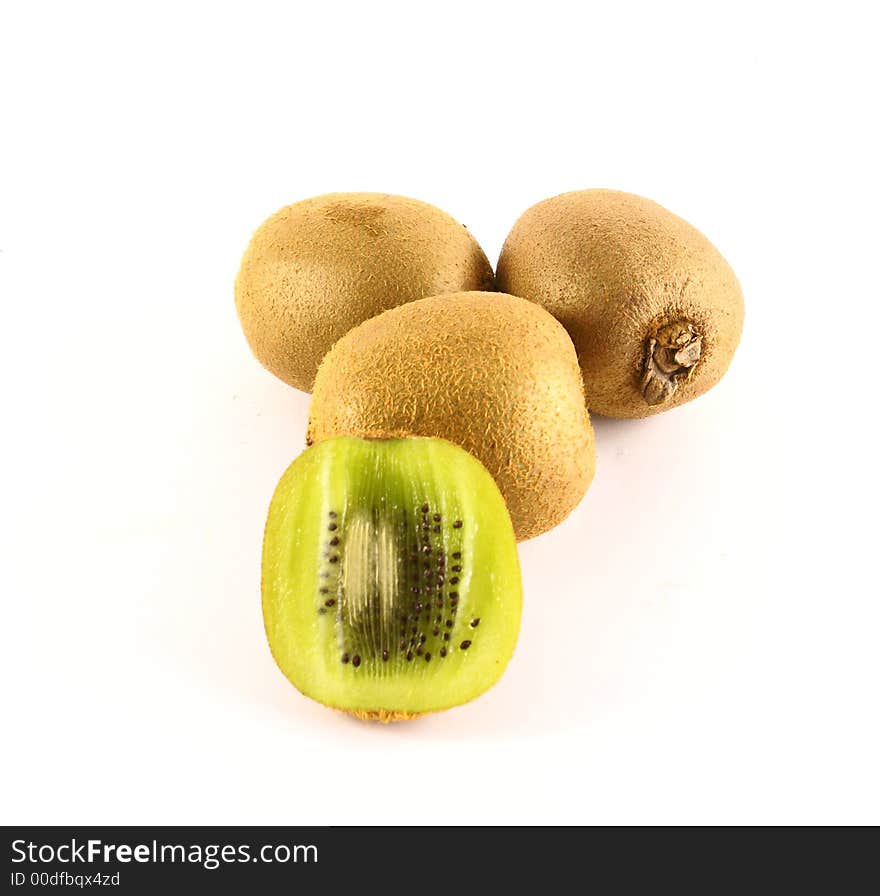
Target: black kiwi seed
356, 660
323, 591
449, 623
446, 636
422, 639
420, 650
456, 555
437, 529
475, 622
465, 644
409, 656
436, 517
332, 514
436, 631
330, 603
452, 581
385, 656
456, 569
332, 527
334, 559
426, 549
334, 541
457, 524
427, 657
425, 508
344, 657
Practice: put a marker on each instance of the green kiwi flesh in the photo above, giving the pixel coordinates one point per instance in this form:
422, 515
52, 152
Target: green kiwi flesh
391, 583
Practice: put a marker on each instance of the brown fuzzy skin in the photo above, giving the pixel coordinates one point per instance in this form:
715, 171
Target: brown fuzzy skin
616, 269
492, 373
384, 716
318, 268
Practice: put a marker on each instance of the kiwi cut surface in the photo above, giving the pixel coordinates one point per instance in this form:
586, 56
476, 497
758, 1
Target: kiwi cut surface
391, 582
493, 373
319, 267
653, 309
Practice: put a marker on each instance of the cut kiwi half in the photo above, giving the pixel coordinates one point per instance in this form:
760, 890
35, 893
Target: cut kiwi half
391, 582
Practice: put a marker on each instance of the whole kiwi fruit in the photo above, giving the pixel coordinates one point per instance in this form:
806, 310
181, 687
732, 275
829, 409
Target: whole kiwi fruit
490, 372
391, 583
319, 267
653, 309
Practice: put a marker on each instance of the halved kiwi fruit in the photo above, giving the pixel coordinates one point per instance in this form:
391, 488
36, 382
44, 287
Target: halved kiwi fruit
391, 582
653, 309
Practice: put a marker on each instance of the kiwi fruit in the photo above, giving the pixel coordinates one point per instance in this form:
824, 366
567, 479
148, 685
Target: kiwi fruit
319, 267
391, 583
490, 372
654, 311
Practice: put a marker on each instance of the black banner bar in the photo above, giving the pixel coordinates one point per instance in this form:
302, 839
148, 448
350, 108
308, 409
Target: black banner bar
135, 860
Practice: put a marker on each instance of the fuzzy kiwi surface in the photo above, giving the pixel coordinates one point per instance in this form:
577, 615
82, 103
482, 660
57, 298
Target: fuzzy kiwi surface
490, 372
391, 583
653, 309
319, 267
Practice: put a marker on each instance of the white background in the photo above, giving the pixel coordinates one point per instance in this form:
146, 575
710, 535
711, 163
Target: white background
700, 638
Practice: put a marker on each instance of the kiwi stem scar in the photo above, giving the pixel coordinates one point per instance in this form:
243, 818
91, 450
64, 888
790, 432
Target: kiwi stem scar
671, 355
